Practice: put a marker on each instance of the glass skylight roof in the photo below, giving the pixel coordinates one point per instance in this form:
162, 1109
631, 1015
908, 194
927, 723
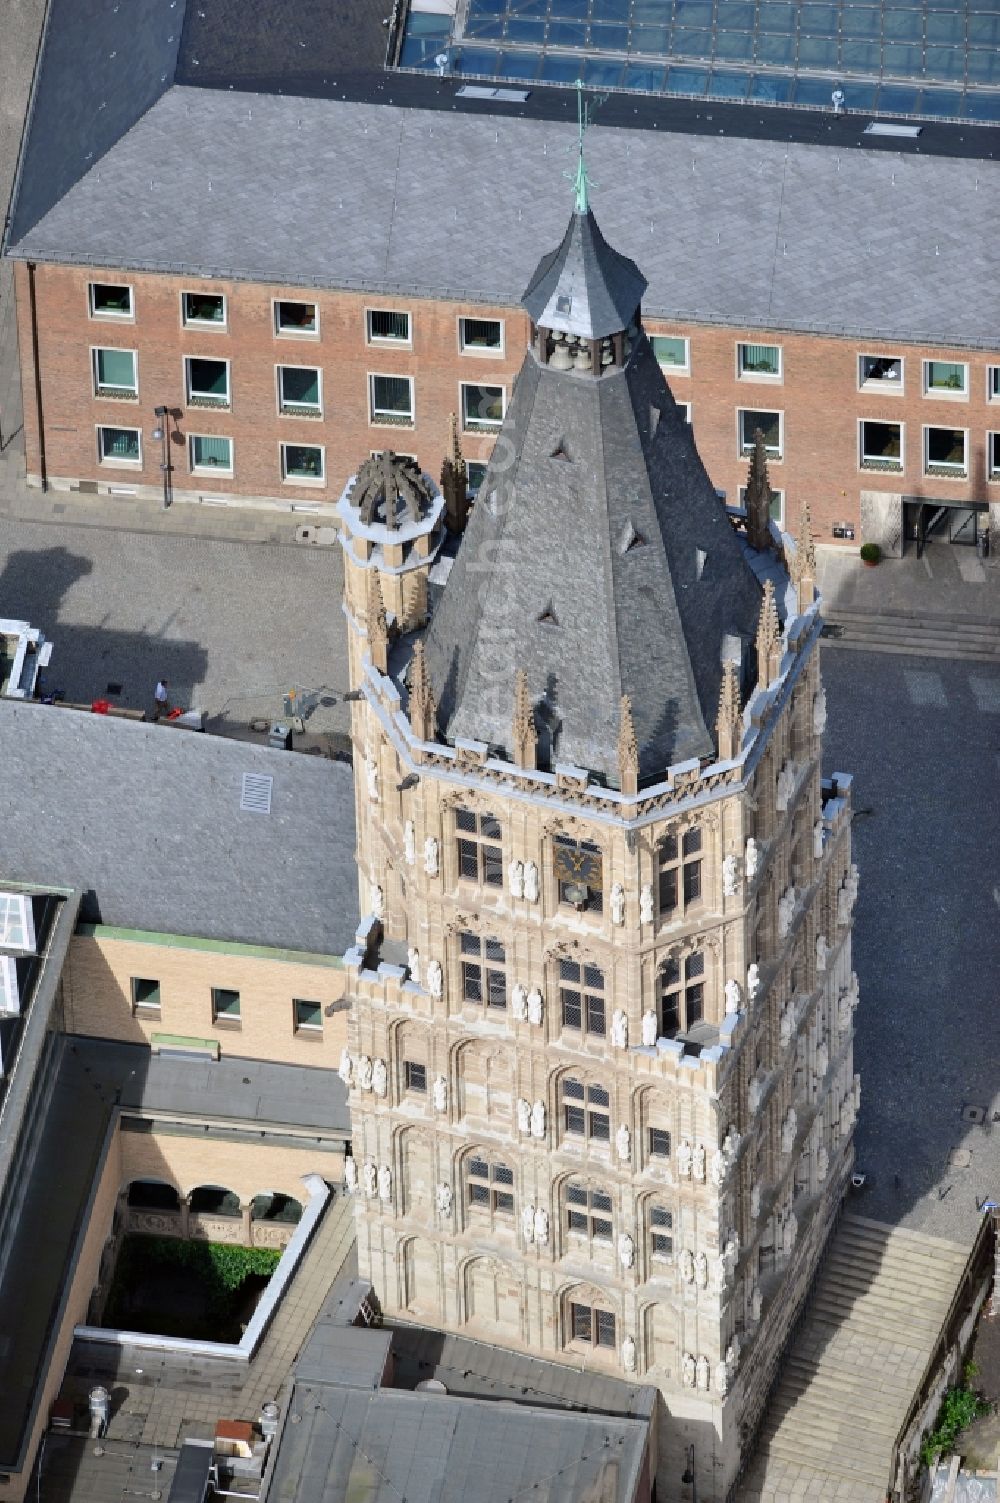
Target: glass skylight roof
896, 57
17, 922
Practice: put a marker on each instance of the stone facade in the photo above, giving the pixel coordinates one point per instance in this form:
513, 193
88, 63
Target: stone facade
607, 1122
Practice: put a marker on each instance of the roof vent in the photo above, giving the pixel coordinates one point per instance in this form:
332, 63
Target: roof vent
891, 128
630, 539
256, 795
548, 616
560, 451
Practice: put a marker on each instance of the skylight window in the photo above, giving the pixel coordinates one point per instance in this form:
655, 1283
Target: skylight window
17, 922
10, 996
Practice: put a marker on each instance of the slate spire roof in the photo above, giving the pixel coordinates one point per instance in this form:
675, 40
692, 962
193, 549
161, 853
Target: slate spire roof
598, 559
584, 287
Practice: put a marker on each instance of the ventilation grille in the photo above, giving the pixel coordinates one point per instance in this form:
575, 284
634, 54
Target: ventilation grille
256, 794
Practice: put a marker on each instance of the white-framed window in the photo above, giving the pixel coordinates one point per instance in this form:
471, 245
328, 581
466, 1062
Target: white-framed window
482, 407
300, 390
203, 310
307, 1017
303, 464
206, 381
771, 424
777, 504
673, 352
387, 326
993, 455
993, 383
209, 454
946, 378
145, 995
480, 336
299, 320
684, 408
116, 374
946, 452
758, 362
880, 446
391, 400
110, 300
119, 446
880, 373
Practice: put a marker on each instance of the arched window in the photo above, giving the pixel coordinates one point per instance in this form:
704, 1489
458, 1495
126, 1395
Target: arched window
484, 971
680, 872
215, 1200
489, 1187
586, 1110
589, 1325
661, 1233
581, 992
682, 993
588, 1212
153, 1195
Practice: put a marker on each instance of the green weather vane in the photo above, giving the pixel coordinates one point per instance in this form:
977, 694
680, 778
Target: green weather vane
584, 117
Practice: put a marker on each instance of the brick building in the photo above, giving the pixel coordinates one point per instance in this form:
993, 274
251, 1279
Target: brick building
277, 275
601, 1032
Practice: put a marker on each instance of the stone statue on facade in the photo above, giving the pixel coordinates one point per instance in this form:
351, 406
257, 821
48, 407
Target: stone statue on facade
628, 1354
541, 1226
371, 1180
439, 1093
818, 839
703, 1374
385, 1183
531, 881
688, 1370
646, 905
413, 964
822, 1163
698, 1162
822, 1060
523, 1116
515, 879
686, 1266
364, 1072
649, 1030
722, 1378
371, 777
623, 1143
789, 1127
789, 1232
536, 1006
538, 1120
346, 1067
626, 1250
751, 863
755, 1203
822, 952
733, 997
731, 1145
431, 856
435, 978
444, 1198
409, 843
731, 1254
756, 1304
350, 1175
519, 1002
753, 980
819, 711
619, 1029
617, 904
377, 902
528, 1223
684, 1159
733, 1356
717, 1170
380, 1077
701, 1270
730, 876
785, 786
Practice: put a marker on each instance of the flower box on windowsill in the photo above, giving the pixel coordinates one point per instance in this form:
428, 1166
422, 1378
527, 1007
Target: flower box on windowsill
201, 399
948, 471
888, 466
392, 420
295, 409
118, 393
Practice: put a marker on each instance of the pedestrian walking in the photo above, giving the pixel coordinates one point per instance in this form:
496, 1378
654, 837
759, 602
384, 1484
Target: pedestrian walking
162, 704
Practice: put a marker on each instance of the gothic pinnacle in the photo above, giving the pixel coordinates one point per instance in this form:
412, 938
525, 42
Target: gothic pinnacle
729, 724
423, 711
768, 639
525, 734
628, 749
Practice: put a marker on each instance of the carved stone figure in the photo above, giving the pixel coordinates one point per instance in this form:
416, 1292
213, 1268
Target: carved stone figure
626, 1250
536, 1006
431, 856
538, 1120
439, 1093
688, 1370
377, 901
413, 964
755, 1202
819, 711
822, 951
701, 1270
753, 980
443, 1196
541, 1226
519, 1002
751, 863
722, 1378
523, 1115
646, 905
818, 839
617, 904
628, 1354
785, 786
350, 1175
733, 997
704, 1377
756, 1304
789, 1232
435, 978
731, 1144
409, 842
371, 777
786, 911
730, 876
385, 1183
822, 1163
684, 1159
346, 1067
786, 1023
619, 1029
364, 1072
822, 1060
649, 1030
623, 1142
528, 1223
698, 1162
755, 1093
531, 881
731, 1254
733, 1356
789, 1127
380, 1077
717, 1171
686, 1266
371, 1180
843, 906
515, 879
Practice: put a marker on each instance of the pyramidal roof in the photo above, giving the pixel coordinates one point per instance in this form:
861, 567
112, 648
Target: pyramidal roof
600, 561
584, 287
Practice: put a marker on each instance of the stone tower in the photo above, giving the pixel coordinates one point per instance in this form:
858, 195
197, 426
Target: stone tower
600, 1056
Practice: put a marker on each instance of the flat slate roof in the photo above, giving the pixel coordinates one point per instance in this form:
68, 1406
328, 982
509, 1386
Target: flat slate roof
146, 822
775, 235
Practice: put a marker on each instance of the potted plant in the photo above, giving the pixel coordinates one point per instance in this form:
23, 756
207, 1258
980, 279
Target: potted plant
870, 554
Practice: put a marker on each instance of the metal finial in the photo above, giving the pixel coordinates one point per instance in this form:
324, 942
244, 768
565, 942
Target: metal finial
584, 116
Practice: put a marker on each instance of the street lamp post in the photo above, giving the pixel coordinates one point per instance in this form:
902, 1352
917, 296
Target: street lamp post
162, 432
